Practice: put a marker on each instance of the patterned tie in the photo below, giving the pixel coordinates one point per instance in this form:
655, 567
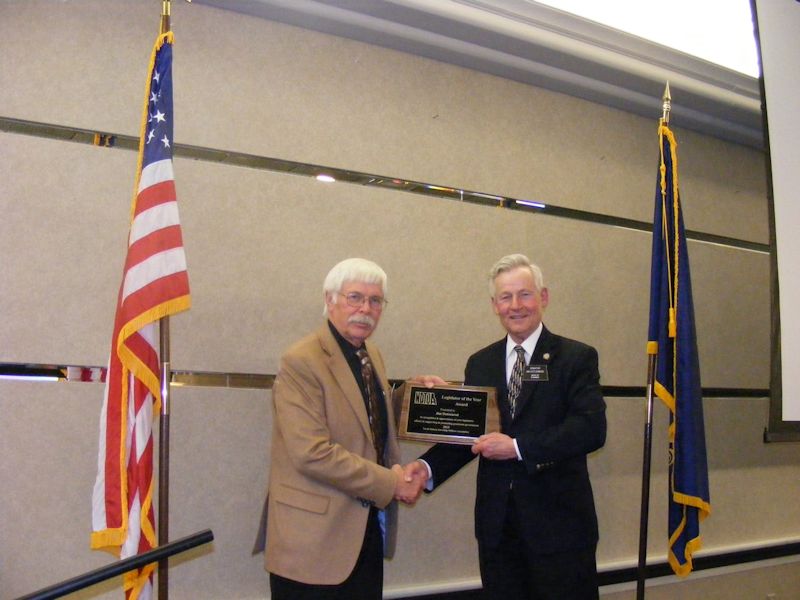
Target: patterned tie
375, 414
515, 383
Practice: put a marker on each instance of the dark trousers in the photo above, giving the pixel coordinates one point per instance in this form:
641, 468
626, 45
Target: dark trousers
364, 583
512, 571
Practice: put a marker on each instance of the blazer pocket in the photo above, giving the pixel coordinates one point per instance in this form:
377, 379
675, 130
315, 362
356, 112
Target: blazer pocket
301, 499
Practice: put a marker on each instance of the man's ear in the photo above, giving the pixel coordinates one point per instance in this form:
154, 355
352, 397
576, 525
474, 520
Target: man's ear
329, 299
545, 294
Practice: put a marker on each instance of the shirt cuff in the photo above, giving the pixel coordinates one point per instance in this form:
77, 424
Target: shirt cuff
516, 447
429, 482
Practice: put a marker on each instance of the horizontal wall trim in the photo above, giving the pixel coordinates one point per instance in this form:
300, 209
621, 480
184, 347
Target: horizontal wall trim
181, 378
701, 563
617, 391
240, 159
653, 570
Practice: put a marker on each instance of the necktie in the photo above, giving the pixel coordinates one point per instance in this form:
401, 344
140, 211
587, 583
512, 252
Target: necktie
515, 382
375, 414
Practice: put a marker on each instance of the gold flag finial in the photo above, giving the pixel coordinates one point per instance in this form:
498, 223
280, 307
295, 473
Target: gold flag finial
667, 105
165, 14
166, 10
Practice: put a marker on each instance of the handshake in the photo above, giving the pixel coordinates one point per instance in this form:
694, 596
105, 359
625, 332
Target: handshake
411, 480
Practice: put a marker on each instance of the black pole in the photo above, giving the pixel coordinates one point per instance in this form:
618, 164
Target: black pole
118, 568
641, 571
163, 459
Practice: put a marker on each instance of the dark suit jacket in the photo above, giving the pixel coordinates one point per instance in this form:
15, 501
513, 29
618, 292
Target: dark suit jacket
558, 422
324, 473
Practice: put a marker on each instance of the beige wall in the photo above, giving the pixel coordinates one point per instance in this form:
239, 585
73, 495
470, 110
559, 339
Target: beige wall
259, 244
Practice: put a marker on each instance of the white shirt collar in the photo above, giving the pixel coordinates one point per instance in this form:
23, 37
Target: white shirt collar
529, 344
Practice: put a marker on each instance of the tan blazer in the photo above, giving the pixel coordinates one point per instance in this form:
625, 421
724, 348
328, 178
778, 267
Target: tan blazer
323, 471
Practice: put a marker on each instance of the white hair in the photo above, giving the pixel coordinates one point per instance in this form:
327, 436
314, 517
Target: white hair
514, 261
351, 269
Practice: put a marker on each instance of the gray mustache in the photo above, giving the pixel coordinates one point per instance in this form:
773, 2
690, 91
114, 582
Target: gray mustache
362, 319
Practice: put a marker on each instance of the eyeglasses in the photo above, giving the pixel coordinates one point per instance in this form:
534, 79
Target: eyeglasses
356, 300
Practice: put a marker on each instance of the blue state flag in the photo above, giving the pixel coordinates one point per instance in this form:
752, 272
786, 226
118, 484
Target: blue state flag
672, 338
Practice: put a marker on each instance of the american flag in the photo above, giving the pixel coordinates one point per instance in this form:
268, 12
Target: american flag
155, 284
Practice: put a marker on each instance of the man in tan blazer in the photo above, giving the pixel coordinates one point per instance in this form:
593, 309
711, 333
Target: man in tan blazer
334, 477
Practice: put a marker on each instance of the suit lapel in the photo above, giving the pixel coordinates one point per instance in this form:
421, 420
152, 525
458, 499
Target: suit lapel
343, 375
497, 364
495, 374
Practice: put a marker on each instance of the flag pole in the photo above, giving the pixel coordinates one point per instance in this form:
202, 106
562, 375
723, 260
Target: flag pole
163, 457
652, 353
163, 424
641, 572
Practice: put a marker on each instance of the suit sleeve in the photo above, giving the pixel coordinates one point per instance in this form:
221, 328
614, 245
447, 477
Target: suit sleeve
300, 413
445, 460
579, 426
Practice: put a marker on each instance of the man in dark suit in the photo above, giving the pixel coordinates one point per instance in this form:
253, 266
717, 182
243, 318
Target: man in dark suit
535, 520
331, 517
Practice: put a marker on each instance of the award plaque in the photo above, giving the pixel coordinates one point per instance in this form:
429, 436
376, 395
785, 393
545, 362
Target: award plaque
448, 413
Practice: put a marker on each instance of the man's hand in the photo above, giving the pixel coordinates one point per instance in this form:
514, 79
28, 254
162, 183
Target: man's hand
408, 488
428, 381
495, 446
416, 471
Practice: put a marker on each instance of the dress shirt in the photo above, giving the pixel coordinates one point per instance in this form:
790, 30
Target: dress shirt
529, 345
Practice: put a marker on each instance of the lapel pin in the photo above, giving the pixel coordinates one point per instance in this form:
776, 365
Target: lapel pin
546, 356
